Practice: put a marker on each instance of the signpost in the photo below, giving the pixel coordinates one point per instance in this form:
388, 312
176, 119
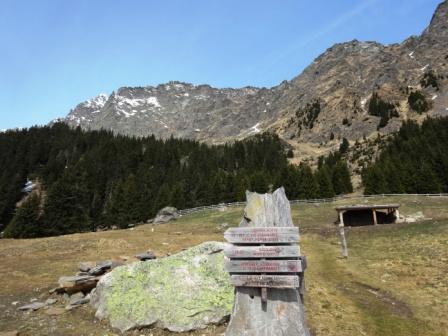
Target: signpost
278, 251
264, 255
268, 281
262, 235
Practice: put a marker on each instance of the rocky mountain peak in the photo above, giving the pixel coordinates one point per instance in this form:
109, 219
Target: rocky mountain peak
328, 101
439, 21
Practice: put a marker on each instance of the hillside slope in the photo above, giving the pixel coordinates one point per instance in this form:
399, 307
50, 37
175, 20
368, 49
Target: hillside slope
330, 99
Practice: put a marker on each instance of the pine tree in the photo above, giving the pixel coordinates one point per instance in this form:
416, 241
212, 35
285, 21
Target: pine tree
343, 148
308, 185
66, 207
341, 179
26, 221
325, 185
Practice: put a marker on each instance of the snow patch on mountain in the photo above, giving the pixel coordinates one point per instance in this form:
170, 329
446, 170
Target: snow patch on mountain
136, 102
97, 102
255, 128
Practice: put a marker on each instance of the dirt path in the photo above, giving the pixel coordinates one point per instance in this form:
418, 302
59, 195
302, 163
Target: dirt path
341, 302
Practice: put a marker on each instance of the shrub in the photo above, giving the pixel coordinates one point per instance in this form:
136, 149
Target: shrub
418, 102
380, 108
430, 79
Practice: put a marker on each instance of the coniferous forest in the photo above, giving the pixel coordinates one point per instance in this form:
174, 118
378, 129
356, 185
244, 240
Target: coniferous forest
414, 161
92, 179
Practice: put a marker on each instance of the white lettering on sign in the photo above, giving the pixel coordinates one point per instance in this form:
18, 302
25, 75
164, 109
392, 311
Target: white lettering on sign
262, 251
262, 235
268, 281
264, 266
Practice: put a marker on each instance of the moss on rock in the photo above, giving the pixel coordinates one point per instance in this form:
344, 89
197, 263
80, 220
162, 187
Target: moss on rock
182, 292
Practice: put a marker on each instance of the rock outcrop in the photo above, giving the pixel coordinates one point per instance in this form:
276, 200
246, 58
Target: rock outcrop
165, 215
185, 291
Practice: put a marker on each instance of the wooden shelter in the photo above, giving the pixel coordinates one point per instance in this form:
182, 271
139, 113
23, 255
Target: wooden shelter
366, 214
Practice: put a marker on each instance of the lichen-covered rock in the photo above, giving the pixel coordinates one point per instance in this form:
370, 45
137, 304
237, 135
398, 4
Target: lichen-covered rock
165, 215
185, 291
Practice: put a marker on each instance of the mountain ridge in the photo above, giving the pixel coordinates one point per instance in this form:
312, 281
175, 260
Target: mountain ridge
325, 103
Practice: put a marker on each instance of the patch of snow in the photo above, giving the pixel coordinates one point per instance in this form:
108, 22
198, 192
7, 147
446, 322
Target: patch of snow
163, 124
267, 104
434, 97
363, 102
411, 54
424, 68
201, 97
255, 129
186, 94
29, 186
264, 111
197, 130
446, 108
127, 114
153, 101
124, 104
97, 102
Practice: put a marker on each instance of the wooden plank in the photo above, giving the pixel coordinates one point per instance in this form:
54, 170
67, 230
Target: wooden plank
262, 235
267, 281
264, 266
262, 251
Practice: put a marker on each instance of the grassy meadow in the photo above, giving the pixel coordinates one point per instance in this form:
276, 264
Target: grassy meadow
394, 282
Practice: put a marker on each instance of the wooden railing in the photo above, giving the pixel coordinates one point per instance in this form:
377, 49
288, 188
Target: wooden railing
304, 201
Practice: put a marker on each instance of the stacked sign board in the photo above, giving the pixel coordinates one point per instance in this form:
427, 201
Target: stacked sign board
266, 257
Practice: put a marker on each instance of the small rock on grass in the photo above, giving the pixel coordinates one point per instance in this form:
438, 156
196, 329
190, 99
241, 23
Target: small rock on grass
50, 302
146, 256
86, 266
79, 299
54, 311
32, 306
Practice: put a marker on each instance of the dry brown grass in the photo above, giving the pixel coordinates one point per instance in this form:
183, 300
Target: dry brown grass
394, 282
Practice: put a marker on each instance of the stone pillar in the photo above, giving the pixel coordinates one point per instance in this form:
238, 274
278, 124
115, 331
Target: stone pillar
283, 313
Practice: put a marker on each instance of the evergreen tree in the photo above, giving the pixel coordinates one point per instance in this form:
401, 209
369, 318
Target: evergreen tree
97, 178
325, 185
26, 222
66, 207
343, 148
341, 179
308, 186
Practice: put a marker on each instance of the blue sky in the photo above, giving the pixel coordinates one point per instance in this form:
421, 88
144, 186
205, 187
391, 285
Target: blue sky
57, 53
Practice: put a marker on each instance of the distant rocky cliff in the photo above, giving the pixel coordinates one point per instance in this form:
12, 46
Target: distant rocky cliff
329, 100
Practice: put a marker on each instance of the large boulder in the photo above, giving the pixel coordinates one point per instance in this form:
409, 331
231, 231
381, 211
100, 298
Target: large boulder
185, 291
165, 215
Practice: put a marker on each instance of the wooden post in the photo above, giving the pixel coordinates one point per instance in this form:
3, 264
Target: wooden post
342, 235
279, 311
341, 218
375, 222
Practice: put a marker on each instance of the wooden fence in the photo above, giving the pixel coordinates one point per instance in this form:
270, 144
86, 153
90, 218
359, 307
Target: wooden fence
302, 201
